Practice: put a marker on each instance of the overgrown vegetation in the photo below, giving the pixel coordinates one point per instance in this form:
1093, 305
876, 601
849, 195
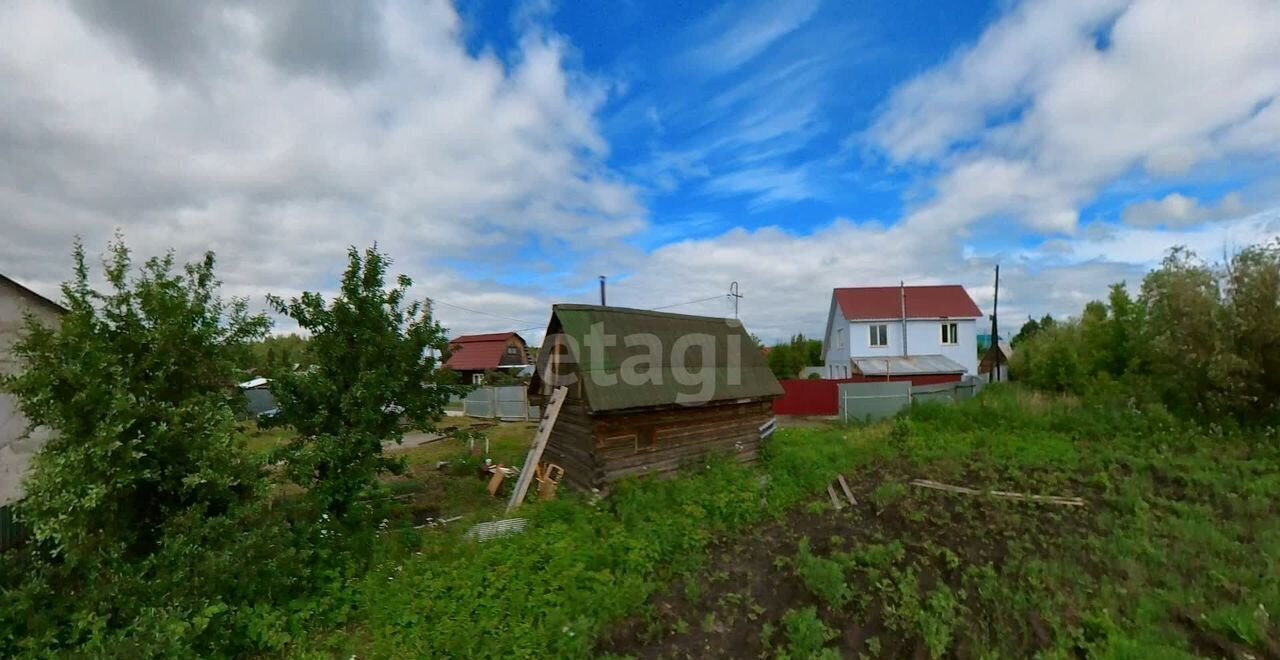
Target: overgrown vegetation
786, 359
272, 354
373, 371
1201, 339
156, 531
135, 380
1175, 553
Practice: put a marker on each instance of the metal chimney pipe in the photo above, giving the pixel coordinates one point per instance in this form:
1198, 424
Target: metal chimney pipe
902, 288
602, 303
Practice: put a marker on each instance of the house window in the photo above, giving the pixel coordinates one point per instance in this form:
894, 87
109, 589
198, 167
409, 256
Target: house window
949, 334
840, 338
477, 379
512, 350
879, 335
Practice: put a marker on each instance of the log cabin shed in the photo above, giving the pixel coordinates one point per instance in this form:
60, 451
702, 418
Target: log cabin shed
657, 418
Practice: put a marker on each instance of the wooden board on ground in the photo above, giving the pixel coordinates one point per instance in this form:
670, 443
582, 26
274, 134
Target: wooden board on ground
539, 444
844, 485
835, 501
1049, 499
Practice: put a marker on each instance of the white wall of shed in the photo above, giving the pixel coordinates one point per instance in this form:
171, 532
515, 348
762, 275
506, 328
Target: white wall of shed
17, 447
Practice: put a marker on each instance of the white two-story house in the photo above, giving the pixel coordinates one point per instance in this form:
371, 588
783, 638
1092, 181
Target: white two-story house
902, 332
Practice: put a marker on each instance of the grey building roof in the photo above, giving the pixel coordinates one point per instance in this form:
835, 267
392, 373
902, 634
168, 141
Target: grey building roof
915, 365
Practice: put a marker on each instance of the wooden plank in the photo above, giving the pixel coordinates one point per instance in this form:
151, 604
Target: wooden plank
847, 492
539, 444
835, 501
1050, 499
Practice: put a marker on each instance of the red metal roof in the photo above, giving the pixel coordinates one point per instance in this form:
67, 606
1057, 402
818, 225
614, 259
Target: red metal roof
923, 302
478, 352
492, 336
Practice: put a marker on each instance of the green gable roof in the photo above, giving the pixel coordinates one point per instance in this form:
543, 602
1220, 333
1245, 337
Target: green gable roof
720, 360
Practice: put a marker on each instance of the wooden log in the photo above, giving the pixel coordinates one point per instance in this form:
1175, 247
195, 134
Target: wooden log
663, 465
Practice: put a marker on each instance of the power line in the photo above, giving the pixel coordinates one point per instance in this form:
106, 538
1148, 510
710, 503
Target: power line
437, 301
723, 295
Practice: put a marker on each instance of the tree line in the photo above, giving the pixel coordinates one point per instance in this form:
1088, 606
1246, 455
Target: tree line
786, 359
1201, 339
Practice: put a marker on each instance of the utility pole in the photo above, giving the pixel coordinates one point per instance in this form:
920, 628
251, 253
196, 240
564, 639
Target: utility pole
602, 303
995, 337
733, 293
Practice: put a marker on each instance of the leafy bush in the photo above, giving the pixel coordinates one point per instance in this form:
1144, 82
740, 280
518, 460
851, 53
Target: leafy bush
1202, 340
253, 580
373, 368
137, 383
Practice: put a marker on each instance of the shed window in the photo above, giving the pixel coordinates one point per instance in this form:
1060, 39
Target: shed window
949, 334
512, 350
879, 335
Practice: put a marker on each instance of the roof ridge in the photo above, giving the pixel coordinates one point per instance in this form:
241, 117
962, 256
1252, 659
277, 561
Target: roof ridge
580, 307
33, 293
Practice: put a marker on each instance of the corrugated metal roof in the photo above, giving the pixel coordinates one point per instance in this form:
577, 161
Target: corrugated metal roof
479, 352
871, 303
913, 365
492, 336
732, 369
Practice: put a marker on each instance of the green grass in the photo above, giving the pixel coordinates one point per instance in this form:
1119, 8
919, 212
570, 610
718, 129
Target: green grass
1176, 554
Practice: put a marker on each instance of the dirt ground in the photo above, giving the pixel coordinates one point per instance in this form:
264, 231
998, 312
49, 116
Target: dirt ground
897, 550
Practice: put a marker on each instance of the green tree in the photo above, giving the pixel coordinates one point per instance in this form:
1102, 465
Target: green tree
1251, 325
373, 368
787, 359
1029, 329
1181, 302
137, 384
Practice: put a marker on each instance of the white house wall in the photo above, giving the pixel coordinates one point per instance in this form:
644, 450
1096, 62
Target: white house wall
16, 447
924, 337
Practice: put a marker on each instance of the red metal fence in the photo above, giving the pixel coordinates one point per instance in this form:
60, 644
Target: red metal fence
808, 397
822, 396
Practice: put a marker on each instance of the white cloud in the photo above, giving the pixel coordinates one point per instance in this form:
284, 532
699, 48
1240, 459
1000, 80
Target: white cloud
1177, 210
278, 157
243, 137
1060, 97
735, 33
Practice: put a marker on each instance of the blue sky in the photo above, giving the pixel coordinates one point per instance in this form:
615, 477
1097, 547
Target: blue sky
505, 154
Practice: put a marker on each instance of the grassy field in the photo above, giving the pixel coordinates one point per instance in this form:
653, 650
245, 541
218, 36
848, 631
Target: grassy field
1176, 552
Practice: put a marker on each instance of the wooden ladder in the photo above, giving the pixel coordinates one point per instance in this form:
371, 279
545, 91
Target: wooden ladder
539, 444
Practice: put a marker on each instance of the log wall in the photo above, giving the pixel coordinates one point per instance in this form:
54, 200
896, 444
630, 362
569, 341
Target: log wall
598, 449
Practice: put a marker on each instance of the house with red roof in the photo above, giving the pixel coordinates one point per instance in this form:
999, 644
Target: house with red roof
472, 355
920, 333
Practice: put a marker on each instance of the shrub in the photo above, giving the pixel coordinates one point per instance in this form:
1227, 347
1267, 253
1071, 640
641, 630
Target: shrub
136, 382
373, 368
